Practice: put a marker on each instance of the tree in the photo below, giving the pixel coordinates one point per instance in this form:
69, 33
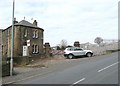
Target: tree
98, 40
63, 44
77, 44
58, 47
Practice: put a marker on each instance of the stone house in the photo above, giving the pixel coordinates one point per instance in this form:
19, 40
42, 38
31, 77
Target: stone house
0, 38
26, 35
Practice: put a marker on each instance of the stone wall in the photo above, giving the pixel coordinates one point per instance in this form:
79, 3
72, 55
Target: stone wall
0, 37
19, 41
99, 50
5, 43
47, 50
0, 43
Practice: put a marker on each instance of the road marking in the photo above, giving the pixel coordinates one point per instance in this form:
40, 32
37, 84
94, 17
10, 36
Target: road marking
79, 81
108, 67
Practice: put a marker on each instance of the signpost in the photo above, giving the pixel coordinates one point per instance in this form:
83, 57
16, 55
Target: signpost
28, 42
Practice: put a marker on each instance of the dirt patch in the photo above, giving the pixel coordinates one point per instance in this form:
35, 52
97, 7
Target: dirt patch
45, 62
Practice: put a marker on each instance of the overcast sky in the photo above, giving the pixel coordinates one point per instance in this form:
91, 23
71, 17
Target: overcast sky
71, 20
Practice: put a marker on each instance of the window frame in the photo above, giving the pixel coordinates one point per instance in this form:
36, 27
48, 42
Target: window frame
35, 33
35, 49
25, 33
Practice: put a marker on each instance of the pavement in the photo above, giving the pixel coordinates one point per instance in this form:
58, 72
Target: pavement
34, 69
23, 73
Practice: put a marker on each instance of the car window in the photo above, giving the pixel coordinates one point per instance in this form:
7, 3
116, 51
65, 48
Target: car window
77, 49
69, 49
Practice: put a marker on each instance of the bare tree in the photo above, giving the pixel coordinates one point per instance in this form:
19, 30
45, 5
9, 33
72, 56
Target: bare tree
63, 44
98, 40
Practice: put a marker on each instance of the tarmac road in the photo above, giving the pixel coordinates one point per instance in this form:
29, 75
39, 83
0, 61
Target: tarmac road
93, 70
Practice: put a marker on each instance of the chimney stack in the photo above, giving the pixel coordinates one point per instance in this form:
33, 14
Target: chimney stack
15, 21
35, 23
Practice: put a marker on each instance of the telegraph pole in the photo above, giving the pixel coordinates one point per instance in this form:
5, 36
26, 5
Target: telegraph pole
12, 42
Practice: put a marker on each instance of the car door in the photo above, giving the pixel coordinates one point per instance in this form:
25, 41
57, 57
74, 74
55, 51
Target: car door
79, 52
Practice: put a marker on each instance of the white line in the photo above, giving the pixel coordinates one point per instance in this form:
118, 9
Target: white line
79, 81
108, 67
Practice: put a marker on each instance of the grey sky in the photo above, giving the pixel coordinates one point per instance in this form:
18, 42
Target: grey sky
72, 20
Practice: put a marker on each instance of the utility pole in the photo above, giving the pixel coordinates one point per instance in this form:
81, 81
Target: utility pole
12, 42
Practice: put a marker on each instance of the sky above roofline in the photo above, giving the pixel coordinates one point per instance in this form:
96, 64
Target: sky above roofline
71, 20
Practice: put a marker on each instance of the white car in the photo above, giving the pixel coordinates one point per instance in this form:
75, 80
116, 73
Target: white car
72, 52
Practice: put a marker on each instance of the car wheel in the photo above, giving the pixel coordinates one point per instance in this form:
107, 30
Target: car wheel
89, 54
70, 56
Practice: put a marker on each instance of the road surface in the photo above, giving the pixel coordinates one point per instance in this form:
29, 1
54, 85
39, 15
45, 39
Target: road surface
93, 70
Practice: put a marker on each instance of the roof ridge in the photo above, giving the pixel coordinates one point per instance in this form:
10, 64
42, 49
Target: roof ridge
25, 23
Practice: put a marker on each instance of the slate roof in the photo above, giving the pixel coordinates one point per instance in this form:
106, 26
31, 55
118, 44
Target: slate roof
26, 23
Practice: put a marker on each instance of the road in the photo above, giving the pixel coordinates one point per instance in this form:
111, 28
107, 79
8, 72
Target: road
93, 70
